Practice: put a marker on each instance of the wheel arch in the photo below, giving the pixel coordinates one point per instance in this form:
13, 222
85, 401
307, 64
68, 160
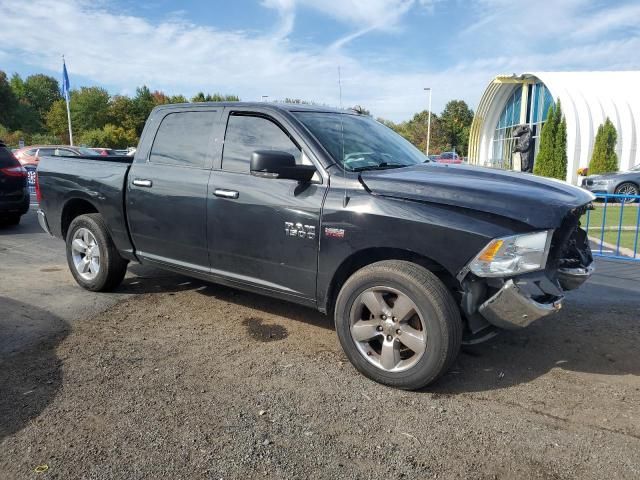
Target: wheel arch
73, 208
367, 256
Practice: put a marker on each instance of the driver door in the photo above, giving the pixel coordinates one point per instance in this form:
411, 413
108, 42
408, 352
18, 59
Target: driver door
250, 236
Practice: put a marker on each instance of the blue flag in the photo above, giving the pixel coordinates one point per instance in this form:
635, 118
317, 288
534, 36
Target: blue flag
65, 81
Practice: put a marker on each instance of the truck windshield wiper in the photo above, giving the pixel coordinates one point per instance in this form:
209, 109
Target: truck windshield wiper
382, 166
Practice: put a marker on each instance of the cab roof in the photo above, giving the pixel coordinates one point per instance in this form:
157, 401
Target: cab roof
287, 107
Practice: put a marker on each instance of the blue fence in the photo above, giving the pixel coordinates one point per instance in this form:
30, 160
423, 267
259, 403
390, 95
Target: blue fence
613, 226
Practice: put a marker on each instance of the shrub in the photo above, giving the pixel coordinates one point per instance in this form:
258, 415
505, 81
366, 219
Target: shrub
110, 136
604, 158
551, 160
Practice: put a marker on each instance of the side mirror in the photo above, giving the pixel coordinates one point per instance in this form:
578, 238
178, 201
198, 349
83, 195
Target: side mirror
276, 164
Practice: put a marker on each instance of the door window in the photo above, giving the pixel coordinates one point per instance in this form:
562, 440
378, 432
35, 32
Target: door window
183, 139
246, 134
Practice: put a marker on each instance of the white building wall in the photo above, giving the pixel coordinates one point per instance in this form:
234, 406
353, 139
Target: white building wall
587, 98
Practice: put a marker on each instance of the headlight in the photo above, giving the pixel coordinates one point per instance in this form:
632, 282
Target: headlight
604, 182
507, 256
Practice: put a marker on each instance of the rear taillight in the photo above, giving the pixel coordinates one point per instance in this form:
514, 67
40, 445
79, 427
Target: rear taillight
18, 171
38, 193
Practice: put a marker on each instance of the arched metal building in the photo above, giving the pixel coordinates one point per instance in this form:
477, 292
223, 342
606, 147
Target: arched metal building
587, 99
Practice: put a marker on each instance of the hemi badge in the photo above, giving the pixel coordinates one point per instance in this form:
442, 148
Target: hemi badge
334, 232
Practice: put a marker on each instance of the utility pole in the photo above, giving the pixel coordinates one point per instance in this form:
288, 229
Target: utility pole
428, 121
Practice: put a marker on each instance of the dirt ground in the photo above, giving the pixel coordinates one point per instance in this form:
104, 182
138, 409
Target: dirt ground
201, 381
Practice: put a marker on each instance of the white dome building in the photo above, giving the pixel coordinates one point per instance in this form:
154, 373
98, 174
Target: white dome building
587, 99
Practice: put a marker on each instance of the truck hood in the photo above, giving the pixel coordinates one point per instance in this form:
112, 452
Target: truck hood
536, 201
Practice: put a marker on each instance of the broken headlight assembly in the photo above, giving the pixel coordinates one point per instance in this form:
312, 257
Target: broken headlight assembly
513, 255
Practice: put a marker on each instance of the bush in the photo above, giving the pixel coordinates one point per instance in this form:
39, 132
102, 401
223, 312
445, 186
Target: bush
551, 160
604, 158
110, 136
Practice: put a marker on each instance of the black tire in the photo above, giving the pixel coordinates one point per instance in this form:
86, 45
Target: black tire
112, 266
436, 306
11, 220
627, 188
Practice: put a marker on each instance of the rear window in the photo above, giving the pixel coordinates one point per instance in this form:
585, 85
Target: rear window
6, 158
183, 139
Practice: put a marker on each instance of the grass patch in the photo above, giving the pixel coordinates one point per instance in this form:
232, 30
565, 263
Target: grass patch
629, 216
611, 224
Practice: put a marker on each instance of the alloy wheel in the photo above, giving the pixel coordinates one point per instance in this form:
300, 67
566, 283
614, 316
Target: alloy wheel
388, 329
85, 253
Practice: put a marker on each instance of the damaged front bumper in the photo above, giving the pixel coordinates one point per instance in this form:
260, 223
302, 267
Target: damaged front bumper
519, 303
510, 308
516, 302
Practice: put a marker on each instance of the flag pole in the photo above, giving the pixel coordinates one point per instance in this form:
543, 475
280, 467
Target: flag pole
65, 87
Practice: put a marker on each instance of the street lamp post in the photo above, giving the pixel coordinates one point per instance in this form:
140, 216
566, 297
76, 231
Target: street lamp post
428, 121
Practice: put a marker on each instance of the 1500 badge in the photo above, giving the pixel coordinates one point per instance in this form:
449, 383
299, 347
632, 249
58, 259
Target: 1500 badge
299, 230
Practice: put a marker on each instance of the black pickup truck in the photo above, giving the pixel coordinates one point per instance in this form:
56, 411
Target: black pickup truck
330, 209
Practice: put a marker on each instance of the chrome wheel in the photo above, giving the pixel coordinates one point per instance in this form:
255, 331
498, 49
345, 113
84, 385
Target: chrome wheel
388, 329
627, 189
85, 253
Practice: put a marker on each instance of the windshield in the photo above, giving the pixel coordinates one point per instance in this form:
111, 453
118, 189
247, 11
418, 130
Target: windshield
368, 145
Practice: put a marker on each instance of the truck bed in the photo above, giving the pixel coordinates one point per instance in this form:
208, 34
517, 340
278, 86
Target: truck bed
100, 180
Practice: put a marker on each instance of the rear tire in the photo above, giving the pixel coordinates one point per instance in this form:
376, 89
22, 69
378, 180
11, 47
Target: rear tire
627, 188
93, 259
406, 310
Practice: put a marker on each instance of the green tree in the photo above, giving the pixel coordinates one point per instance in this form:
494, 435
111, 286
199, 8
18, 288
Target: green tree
456, 121
89, 108
552, 157
604, 158
110, 136
143, 103
40, 91
56, 120
544, 164
121, 112
416, 130
178, 99
560, 148
17, 85
216, 97
8, 102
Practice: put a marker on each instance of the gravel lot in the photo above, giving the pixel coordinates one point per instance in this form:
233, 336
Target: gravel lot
183, 379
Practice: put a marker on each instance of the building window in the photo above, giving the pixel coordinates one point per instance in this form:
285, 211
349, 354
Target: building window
538, 102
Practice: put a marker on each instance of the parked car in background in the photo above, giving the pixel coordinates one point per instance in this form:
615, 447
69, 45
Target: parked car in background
103, 151
31, 155
621, 183
14, 194
448, 157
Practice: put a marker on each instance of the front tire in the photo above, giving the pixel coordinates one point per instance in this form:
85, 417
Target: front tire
398, 324
92, 257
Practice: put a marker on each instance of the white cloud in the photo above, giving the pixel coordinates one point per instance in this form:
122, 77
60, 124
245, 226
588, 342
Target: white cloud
124, 51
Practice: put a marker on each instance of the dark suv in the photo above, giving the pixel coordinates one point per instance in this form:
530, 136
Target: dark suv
14, 194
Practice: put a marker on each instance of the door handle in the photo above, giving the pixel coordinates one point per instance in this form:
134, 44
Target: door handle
221, 192
142, 183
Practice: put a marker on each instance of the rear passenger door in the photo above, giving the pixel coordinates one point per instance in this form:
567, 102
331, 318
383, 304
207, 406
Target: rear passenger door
167, 190
264, 231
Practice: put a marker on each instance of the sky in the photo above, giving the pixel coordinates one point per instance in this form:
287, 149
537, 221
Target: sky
387, 51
